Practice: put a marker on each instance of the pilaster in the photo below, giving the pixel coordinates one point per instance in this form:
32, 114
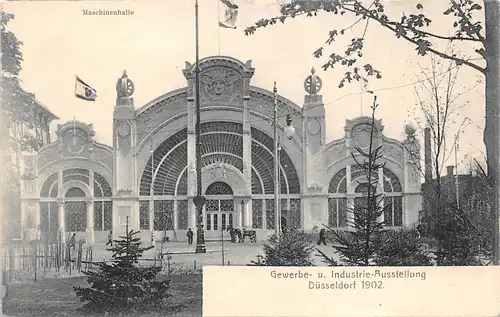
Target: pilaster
90, 221
247, 145
62, 221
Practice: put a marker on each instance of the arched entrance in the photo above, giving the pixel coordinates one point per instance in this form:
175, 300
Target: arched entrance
219, 208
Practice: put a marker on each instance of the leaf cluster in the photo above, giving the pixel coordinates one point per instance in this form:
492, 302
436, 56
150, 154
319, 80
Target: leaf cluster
413, 27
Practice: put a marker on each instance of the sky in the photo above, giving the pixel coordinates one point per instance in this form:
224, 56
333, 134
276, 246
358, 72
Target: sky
153, 45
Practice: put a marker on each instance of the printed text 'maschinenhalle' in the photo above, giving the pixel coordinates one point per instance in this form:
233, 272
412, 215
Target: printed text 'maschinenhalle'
107, 12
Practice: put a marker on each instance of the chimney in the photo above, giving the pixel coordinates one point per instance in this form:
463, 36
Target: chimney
449, 170
427, 155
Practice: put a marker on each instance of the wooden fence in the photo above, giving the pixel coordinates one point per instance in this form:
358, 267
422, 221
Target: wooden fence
31, 260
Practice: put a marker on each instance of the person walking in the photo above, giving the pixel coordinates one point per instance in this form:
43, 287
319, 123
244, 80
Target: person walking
322, 237
110, 238
189, 235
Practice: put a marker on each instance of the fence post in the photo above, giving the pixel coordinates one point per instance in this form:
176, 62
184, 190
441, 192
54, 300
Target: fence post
91, 256
35, 249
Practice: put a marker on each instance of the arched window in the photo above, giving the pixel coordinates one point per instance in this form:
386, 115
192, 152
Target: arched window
75, 210
219, 188
337, 200
338, 205
103, 205
75, 204
393, 200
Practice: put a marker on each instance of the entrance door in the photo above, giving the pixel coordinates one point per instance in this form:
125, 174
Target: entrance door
219, 214
219, 209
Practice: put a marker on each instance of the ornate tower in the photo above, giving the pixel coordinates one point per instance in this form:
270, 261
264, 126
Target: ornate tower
124, 165
315, 182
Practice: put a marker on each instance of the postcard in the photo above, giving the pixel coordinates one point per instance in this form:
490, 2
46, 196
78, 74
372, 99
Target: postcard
250, 158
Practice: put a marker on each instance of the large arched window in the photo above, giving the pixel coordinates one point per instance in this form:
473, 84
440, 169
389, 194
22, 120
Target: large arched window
75, 202
166, 174
339, 203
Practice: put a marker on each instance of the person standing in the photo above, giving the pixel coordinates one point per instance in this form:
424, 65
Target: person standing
322, 237
189, 235
110, 238
72, 241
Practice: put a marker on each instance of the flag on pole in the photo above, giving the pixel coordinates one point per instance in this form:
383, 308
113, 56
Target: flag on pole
230, 15
84, 91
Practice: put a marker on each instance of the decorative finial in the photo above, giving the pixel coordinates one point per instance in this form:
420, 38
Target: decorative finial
124, 86
410, 130
313, 83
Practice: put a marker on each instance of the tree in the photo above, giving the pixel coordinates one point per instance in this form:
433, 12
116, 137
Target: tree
122, 286
439, 103
289, 249
402, 248
413, 28
14, 122
359, 246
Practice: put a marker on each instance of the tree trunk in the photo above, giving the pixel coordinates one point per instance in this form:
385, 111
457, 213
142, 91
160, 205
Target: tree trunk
491, 130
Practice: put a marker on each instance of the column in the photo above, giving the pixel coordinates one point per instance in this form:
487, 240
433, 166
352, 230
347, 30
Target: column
247, 146
151, 220
241, 214
23, 210
175, 221
62, 221
350, 196
90, 221
36, 219
191, 215
248, 214
381, 187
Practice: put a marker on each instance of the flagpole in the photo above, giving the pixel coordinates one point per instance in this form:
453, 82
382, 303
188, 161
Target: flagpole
218, 25
199, 200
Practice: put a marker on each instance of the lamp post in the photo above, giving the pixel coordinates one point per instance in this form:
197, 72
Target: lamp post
199, 199
288, 132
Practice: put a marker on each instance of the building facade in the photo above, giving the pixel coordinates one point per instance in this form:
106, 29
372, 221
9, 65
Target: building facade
30, 133
148, 176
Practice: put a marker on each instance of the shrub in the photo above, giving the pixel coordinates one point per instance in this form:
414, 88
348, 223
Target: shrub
402, 248
290, 249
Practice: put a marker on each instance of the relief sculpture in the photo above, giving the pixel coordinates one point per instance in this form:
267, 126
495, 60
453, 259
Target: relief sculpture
220, 85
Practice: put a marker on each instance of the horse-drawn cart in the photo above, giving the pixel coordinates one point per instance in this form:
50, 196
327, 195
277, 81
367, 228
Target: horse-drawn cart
252, 234
241, 234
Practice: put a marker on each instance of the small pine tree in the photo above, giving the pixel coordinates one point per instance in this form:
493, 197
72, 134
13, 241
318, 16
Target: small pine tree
122, 286
290, 249
358, 246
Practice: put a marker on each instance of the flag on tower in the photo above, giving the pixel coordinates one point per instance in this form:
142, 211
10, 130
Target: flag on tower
84, 91
230, 15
